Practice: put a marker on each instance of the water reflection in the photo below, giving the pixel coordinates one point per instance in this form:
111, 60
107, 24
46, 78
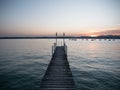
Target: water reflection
94, 64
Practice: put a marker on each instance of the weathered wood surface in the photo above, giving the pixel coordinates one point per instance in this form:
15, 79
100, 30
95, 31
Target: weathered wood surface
58, 75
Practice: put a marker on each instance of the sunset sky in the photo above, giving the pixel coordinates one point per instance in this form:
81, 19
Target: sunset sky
45, 17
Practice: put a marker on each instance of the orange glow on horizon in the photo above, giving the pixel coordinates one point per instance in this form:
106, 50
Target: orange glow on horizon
93, 35
37, 31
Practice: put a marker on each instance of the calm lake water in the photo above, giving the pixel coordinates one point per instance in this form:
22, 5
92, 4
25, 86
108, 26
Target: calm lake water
95, 64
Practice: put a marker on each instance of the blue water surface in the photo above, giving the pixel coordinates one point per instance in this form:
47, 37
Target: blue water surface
95, 64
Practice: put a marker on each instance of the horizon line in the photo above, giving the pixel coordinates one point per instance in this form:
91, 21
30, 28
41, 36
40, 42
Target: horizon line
65, 37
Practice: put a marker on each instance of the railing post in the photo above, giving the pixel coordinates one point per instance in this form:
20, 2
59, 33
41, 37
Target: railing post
53, 48
65, 48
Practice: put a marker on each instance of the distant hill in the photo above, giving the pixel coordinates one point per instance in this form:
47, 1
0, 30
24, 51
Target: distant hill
67, 37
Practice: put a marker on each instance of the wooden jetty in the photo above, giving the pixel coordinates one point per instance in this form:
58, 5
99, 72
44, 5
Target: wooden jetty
58, 75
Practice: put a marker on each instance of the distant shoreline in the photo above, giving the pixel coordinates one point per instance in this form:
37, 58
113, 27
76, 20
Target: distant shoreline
66, 37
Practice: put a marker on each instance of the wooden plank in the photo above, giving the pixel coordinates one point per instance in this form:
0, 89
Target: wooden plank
58, 75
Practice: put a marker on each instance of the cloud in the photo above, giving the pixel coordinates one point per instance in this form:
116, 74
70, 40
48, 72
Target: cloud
108, 32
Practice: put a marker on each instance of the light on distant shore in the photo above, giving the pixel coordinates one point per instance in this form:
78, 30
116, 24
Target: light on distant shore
93, 35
